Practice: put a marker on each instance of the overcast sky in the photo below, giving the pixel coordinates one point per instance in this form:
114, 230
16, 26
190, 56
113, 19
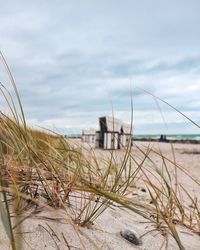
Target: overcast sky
74, 61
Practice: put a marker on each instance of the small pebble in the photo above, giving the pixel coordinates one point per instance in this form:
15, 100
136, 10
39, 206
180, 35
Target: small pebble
131, 236
143, 190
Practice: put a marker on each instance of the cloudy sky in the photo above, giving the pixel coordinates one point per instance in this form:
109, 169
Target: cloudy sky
76, 60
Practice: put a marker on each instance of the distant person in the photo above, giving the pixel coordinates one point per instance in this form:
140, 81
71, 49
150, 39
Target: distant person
163, 138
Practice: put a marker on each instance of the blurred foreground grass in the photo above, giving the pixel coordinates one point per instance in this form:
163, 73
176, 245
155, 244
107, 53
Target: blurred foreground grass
42, 169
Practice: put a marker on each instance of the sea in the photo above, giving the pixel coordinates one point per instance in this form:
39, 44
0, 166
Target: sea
190, 137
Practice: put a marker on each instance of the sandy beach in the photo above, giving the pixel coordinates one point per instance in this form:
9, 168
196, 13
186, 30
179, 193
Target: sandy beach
99, 125
52, 229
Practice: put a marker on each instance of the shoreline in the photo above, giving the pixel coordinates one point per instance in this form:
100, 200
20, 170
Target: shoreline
180, 141
167, 141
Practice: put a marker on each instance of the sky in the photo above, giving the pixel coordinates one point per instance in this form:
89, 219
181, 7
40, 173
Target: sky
74, 61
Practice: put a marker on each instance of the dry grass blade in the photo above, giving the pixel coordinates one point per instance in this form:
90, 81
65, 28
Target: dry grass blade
43, 165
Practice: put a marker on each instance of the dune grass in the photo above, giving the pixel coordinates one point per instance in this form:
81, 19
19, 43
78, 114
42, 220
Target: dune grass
43, 168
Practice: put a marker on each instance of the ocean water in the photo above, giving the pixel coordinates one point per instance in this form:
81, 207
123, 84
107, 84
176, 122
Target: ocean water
192, 137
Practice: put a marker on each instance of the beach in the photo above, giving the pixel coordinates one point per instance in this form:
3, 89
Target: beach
99, 125
52, 229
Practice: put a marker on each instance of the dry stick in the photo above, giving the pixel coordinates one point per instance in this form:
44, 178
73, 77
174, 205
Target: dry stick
50, 236
53, 232
65, 240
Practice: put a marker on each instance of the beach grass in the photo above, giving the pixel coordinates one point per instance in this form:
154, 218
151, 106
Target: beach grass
42, 168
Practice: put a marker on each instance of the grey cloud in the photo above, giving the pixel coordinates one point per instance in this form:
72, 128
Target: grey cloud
77, 82
69, 59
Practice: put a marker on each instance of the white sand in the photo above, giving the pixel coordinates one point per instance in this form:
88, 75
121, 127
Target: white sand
105, 233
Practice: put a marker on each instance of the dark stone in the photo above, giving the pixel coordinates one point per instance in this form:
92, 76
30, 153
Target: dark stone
143, 190
131, 236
